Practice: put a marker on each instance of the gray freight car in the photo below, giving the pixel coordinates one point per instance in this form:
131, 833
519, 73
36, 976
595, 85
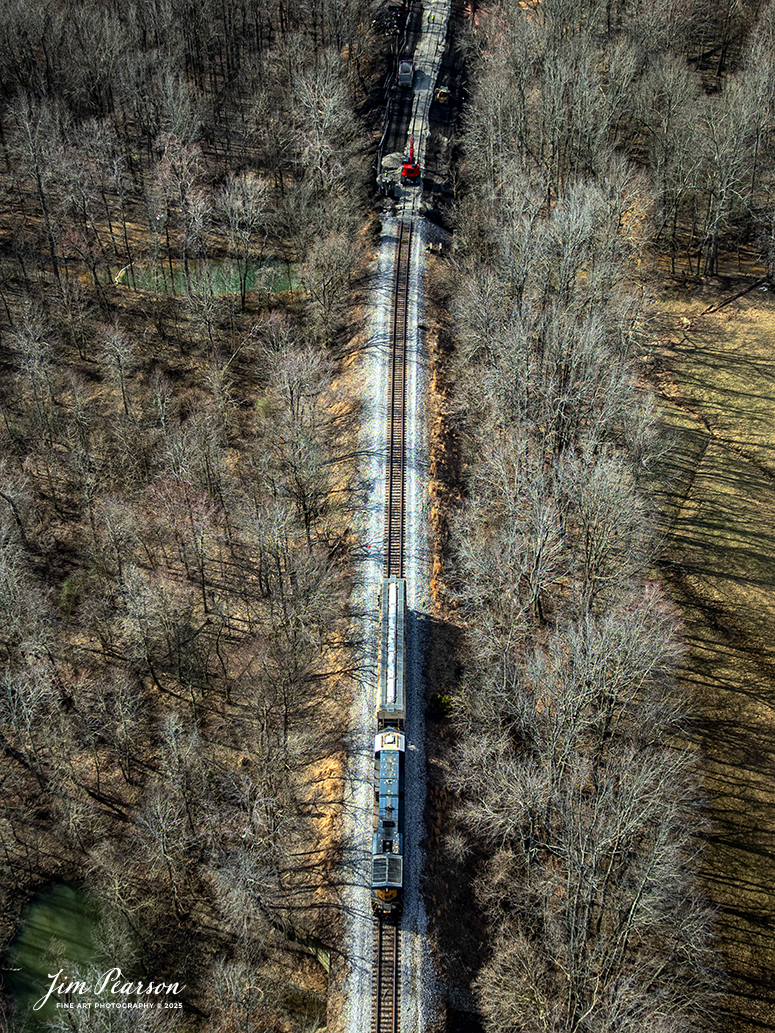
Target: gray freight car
391, 707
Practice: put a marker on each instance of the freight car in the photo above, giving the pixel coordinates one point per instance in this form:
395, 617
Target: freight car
391, 709
387, 862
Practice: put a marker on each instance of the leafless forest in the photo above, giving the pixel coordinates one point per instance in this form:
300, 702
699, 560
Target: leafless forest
606, 145
174, 481
174, 472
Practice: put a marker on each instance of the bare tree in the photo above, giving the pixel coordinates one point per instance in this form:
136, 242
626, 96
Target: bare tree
37, 134
120, 358
246, 206
32, 343
162, 836
26, 698
327, 275
609, 522
324, 120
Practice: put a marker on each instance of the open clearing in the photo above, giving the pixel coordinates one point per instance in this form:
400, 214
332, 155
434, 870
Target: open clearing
714, 372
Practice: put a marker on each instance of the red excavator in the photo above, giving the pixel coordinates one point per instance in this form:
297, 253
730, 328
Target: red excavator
410, 170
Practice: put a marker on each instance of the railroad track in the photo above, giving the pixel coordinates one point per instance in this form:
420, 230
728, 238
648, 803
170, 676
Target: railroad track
387, 961
396, 474
385, 973
398, 117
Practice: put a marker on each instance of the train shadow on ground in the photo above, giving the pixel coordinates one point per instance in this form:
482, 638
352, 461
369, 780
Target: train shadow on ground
456, 929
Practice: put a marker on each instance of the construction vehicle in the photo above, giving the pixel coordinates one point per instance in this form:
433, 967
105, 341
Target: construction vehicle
410, 170
406, 72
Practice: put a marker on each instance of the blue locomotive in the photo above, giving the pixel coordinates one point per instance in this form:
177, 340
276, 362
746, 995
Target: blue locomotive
387, 861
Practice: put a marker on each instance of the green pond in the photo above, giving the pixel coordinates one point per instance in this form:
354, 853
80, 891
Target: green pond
217, 276
56, 933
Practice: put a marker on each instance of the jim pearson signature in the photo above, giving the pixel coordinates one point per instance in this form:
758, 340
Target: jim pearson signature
111, 982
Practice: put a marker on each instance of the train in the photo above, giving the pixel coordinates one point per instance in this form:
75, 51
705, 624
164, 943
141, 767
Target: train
387, 854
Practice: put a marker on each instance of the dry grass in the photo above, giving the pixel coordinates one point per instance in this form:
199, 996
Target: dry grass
715, 374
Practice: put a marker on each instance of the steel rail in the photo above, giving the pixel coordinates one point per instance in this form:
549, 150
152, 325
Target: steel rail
386, 971
396, 471
387, 958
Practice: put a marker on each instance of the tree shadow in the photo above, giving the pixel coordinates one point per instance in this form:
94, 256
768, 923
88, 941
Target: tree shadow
720, 566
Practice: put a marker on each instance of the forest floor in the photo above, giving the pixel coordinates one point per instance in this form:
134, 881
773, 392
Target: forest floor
714, 371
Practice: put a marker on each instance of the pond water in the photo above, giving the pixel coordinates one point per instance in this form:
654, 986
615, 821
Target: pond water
221, 276
56, 933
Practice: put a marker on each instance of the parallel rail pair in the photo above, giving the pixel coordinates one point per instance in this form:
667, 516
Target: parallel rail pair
396, 473
387, 964
387, 937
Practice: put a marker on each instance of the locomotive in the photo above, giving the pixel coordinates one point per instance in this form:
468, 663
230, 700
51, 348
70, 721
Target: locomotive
387, 855
387, 859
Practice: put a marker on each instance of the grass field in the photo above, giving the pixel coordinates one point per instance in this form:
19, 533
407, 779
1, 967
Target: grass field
715, 376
